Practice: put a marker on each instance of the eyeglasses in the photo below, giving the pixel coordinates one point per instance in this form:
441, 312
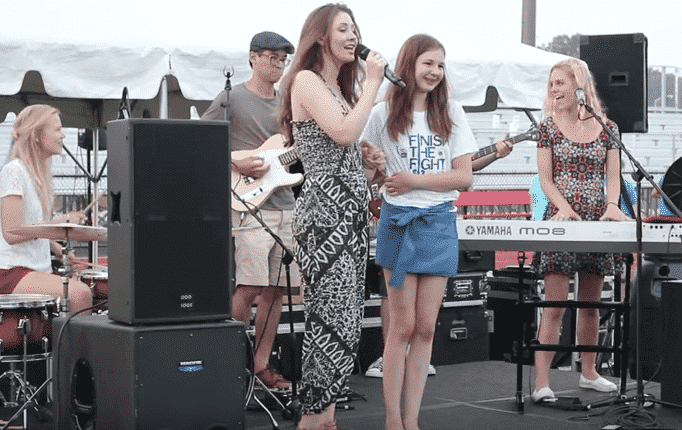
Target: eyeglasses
276, 60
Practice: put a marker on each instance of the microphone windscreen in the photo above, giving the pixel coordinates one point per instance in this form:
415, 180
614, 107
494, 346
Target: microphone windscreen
362, 51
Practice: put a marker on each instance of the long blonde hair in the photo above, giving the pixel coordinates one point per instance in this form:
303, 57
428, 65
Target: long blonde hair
578, 70
27, 146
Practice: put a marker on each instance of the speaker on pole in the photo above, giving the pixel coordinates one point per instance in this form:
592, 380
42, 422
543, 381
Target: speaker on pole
171, 376
169, 239
618, 63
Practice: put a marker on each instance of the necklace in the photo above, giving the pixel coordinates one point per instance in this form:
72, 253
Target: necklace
341, 100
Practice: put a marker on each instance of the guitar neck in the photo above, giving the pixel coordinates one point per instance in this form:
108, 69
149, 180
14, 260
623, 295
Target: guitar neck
491, 149
483, 152
288, 157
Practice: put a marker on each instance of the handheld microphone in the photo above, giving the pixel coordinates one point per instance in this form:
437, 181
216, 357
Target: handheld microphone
580, 95
389, 74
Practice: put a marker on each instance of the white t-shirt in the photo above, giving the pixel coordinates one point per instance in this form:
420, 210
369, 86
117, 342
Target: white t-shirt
34, 254
420, 151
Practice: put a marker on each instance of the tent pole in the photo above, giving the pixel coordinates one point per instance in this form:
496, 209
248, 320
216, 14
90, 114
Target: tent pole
163, 102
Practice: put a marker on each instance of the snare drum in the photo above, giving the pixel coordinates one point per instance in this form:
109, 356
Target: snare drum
98, 281
38, 310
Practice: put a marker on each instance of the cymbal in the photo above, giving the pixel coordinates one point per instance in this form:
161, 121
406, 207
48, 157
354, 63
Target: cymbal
61, 231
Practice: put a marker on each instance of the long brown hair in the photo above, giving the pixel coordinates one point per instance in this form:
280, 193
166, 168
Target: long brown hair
27, 146
400, 103
309, 56
578, 70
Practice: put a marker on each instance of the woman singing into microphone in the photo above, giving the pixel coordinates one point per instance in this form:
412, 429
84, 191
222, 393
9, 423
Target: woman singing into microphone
323, 114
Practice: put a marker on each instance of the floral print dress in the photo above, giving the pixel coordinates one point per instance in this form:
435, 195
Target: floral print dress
579, 172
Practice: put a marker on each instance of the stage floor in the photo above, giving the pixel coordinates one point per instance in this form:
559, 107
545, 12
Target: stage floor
481, 395
476, 395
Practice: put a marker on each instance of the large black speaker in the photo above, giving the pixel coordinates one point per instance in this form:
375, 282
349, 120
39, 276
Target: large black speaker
169, 213
110, 375
649, 329
671, 347
618, 63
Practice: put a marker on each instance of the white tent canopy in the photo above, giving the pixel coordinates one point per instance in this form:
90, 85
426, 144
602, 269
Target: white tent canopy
518, 72
86, 82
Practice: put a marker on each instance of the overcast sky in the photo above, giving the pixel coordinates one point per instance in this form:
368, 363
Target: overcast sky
229, 24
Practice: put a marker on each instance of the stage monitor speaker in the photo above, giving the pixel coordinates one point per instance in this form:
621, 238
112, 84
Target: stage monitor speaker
173, 376
654, 275
671, 347
618, 63
169, 221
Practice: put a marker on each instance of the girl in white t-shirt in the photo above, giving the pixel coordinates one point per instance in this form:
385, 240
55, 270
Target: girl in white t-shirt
26, 197
428, 145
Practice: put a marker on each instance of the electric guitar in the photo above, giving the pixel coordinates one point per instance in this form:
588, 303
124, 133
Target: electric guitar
531, 134
255, 191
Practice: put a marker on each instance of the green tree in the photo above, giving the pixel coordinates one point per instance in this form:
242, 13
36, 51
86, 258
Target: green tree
564, 44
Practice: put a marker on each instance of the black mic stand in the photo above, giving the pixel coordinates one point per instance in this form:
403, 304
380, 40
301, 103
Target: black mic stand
293, 407
639, 174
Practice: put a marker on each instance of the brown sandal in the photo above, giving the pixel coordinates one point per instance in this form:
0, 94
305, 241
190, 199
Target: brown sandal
273, 379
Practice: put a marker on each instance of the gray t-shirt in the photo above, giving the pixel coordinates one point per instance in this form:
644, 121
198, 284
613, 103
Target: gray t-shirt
254, 120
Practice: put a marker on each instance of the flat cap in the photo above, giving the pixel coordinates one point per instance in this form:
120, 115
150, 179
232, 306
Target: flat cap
270, 40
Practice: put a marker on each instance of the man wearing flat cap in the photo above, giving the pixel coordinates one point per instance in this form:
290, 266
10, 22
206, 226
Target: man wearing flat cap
258, 258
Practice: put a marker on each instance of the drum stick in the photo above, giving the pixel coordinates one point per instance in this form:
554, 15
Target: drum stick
96, 266
90, 205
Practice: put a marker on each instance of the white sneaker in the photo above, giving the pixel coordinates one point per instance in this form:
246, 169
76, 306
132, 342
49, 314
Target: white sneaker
542, 394
600, 384
376, 369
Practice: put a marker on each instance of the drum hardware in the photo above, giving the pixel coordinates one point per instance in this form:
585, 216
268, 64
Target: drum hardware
28, 393
67, 232
25, 330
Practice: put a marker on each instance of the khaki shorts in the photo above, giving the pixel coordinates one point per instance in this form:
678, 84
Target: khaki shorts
258, 258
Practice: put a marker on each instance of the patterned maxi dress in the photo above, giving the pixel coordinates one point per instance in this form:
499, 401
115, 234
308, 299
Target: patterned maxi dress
579, 174
329, 226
